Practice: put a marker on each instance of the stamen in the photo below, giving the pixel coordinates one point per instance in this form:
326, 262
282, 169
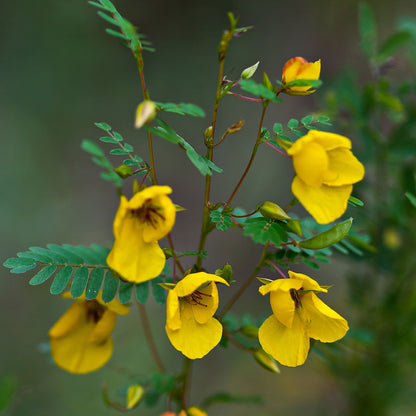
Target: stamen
296, 297
148, 213
195, 298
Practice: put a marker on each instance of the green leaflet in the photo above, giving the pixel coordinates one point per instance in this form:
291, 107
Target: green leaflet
222, 220
262, 230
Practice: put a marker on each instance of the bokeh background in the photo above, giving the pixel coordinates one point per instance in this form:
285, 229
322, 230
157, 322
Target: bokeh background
60, 73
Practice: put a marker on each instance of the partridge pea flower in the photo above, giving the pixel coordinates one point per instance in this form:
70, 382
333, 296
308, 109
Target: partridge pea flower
190, 308
299, 68
298, 314
81, 339
325, 171
139, 224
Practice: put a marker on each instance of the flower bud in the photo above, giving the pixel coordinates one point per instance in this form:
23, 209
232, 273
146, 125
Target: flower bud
145, 112
134, 394
250, 331
273, 211
124, 171
266, 361
299, 69
236, 127
195, 411
250, 71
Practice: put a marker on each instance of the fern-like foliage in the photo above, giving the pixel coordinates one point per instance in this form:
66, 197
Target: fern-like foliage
127, 32
81, 269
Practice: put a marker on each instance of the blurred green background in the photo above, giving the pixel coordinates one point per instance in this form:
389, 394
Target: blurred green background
60, 73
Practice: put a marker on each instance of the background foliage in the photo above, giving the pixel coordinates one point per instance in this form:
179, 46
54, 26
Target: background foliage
60, 73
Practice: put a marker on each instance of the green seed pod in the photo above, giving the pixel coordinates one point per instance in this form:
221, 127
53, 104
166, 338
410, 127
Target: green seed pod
266, 361
270, 210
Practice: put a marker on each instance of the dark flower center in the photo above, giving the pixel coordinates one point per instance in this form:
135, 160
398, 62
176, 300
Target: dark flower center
296, 297
148, 213
195, 298
95, 311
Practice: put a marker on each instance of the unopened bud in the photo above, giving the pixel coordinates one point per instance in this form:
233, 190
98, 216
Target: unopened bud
145, 112
226, 272
266, 82
195, 411
208, 133
134, 394
266, 361
295, 226
250, 71
250, 331
270, 210
236, 127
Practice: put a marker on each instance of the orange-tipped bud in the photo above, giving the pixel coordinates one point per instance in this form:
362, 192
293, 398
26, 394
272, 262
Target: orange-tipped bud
295, 74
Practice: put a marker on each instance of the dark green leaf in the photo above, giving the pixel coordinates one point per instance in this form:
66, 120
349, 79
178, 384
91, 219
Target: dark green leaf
311, 264
329, 237
324, 120
70, 256
61, 280
43, 275
110, 287
94, 283
262, 230
181, 108
79, 281
36, 256
130, 162
17, 262
392, 43
158, 291
142, 292
116, 34
119, 152
91, 148
23, 269
221, 220
307, 120
108, 18
313, 83
256, 89
128, 147
118, 136
277, 128
56, 258
124, 292
87, 254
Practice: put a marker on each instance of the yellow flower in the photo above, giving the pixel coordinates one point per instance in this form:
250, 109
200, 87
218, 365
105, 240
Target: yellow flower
325, 171
299, 68
298, 314
139, 224
190, 308
81, 339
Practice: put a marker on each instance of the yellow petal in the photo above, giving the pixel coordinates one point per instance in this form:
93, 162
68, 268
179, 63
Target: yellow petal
138, 199
68, 321
132, 258
209, 297
328, 141
195, 340
289, 346
121, 214
281, 284
324, 203
283, 307
324, 323
75, 354
114, 305
311, 163
307, 282
344, 168
194, 281
103, 328
163, 221
311, 70
173, 316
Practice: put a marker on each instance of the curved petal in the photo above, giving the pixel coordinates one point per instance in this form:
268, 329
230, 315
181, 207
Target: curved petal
173, 315
194, 281
324, 203
281, 284
311, 163
149, 193
329, 141
68, 321
344, 168
121, 214
195, 340
135, 260
75, 354
209, 297
289, 346
311, 70
103, 328
324, 323
307, 282
114, 305
283, 307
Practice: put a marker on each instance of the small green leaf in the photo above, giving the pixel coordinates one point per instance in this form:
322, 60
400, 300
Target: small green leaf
124, 292
103, 126
368, 30
110, 287
91, 148
392, 43
329, 237
108, 140
324, 120
79, 281
94, 283
108, 18
307, 120
142, 292
55, 257
277, 128
61, 280
71, 257
43, 275
36, 256
293, 123
119, 152
23, 269
256, 89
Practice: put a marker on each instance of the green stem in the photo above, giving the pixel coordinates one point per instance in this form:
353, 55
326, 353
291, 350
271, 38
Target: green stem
187, 367
253, 155
149, 337
209, 155
234, 299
